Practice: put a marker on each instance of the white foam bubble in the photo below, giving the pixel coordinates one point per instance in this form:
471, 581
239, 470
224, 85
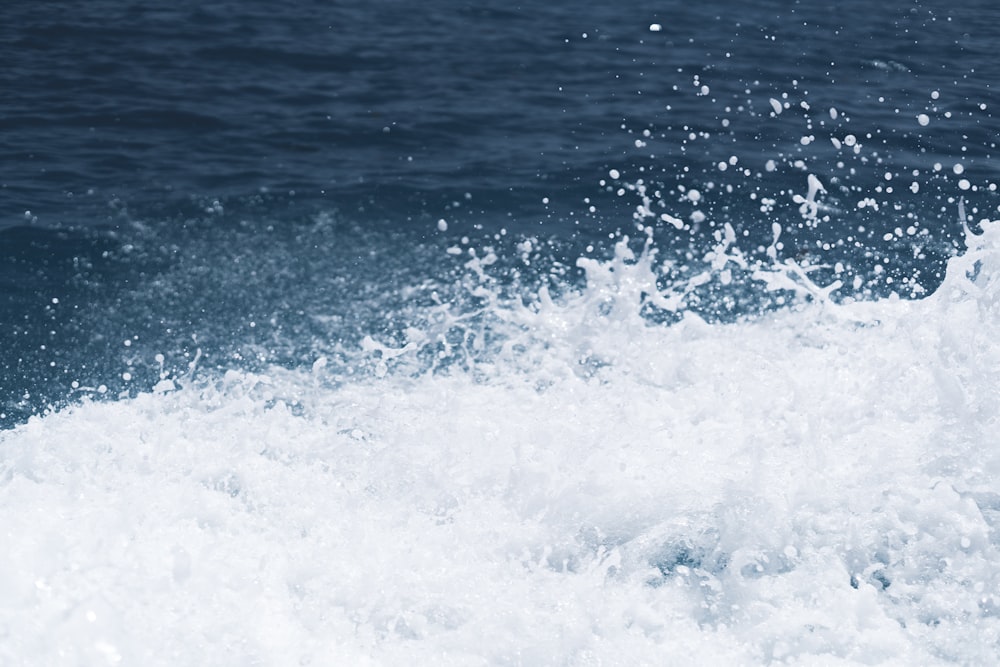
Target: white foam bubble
808, 206
676, 222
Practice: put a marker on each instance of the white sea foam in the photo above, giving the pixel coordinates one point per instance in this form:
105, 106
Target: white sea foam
815, 487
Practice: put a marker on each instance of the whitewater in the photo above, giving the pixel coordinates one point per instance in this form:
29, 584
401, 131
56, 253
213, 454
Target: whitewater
499, 336
583, 486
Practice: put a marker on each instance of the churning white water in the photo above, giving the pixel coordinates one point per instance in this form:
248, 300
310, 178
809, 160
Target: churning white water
818, 486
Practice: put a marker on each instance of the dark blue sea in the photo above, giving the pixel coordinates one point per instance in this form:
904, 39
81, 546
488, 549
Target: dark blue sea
513, 334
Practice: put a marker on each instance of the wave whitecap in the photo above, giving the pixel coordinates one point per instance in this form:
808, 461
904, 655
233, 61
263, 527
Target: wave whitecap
553, 479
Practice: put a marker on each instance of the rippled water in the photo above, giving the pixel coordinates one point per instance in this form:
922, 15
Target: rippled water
498, 335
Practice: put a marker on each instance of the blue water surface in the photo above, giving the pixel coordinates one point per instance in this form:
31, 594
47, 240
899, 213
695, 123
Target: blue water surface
250, 183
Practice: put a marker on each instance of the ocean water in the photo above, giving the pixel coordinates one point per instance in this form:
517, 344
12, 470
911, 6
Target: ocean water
499, 335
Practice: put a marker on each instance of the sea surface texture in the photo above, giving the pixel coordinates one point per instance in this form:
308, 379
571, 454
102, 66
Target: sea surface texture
541, 333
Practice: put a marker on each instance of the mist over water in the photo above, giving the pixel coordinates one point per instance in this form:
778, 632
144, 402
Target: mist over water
500, 337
